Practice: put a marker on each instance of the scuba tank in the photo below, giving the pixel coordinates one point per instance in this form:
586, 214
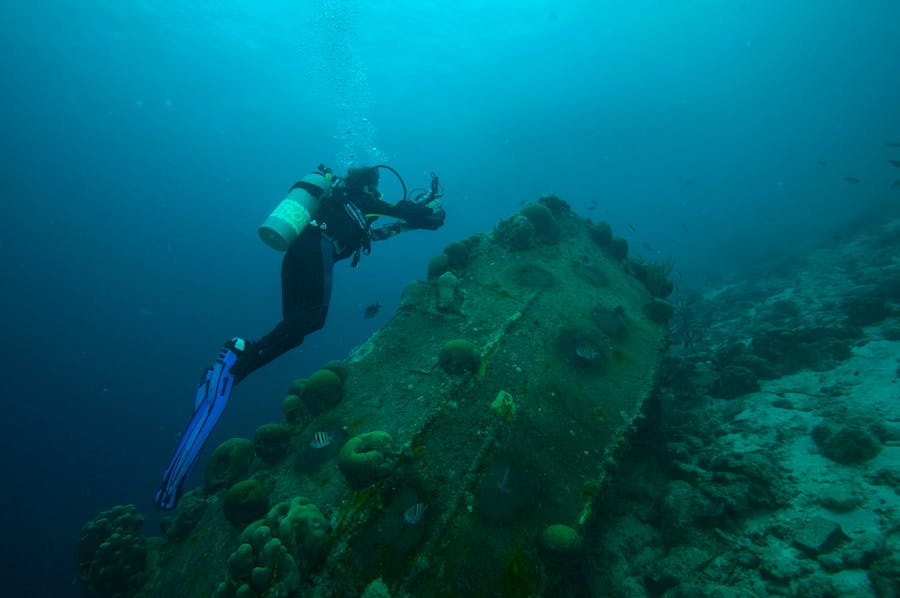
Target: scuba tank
295, 211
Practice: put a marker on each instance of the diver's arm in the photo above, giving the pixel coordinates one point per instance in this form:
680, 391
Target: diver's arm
428, 216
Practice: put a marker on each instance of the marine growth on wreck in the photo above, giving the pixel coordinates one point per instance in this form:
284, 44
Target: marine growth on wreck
461, 448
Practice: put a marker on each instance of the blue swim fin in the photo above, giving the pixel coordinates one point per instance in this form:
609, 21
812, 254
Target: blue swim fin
212, 396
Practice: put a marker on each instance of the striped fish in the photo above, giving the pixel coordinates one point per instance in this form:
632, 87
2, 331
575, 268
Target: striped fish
321, 440
415, 513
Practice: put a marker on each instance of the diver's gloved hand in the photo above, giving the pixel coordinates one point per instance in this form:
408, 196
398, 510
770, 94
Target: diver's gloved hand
429, 216
436, 219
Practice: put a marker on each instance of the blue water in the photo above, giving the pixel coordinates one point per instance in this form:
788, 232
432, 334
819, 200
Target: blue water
143, 143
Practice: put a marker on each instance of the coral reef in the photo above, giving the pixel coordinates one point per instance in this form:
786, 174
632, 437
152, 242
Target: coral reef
339, 368
734, 381
229, 463
261, 566
769, 438
438, 265
618, 248
846, 443
190, 512
457, 255
791, 349
515, 233
111, 554
294, 409
546, 229
560, 541
459, 356
479, 442
656, 275
367, 458
868, 305
300, 527
292, 536
271, 441
504, 405
448, 295
245, 501
376, 589
321, 391
601, 233
558, 206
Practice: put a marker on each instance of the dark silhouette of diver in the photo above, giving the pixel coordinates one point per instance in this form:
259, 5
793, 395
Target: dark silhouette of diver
324, 219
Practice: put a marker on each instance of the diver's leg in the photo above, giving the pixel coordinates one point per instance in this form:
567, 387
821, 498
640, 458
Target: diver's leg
306, 289
305, 293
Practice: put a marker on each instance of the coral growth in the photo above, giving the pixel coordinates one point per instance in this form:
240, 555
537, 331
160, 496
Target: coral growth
504, 405
448, 292
556, 204
618, 248
601, 233
111, 554
438, 265
560, 540
367, 458
546, 229
245, 501
271, 441
321, 391
294, 409
260, 566
230, 463
846, 444
515, 233
656, 275
190, 512
292, 535
457, 255
459, 356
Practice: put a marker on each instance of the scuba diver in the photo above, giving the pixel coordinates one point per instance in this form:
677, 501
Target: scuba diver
323, 219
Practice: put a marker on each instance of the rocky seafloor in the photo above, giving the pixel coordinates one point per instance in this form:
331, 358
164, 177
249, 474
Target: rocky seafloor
769, 460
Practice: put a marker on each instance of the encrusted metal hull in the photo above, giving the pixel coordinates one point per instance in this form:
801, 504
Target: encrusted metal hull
506, 454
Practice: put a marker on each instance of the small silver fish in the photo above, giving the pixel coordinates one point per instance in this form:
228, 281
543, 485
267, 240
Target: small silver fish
503, 482
321, 440
587, 351
415, 513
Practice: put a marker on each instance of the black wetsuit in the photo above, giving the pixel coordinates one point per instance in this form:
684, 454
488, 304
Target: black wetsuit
340, 230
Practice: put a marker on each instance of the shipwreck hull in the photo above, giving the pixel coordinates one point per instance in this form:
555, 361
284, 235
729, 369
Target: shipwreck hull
495, 481
505, 453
